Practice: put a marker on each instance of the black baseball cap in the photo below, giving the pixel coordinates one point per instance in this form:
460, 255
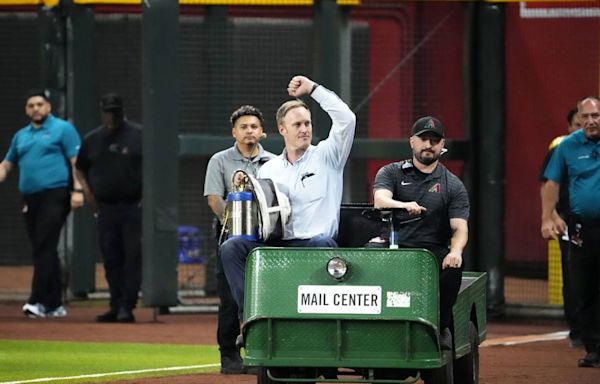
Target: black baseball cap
111, 102
427, 124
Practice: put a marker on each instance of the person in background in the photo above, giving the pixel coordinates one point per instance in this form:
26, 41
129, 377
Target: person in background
577, 159
45, 151
310, 175
110, 168
562, 208
248, 155
423, 186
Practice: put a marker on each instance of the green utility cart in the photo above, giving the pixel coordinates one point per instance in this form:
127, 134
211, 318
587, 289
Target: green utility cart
357, 315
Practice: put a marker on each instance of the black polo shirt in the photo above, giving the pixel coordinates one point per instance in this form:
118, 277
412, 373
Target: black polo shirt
441, 192
112, 163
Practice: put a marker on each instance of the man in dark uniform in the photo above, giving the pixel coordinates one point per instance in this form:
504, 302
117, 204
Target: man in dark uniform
563, 210
425, 187
577, 159
110, 167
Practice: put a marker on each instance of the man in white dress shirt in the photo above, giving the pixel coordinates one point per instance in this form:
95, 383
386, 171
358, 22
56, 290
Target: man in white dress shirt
311, 176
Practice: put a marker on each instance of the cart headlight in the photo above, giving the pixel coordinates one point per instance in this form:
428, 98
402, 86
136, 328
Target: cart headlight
337, 268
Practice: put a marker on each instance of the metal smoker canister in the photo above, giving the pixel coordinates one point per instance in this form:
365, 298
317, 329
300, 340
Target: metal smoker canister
243, 217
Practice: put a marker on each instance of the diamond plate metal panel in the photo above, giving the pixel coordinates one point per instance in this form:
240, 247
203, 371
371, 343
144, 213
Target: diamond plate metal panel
400, 336
274, 274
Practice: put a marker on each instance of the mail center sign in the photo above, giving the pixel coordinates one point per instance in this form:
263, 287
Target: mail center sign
339, 299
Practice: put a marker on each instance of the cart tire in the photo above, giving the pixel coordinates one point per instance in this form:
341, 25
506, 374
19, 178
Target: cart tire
442, 375
466, 368
262, 377
302, 373
289, 374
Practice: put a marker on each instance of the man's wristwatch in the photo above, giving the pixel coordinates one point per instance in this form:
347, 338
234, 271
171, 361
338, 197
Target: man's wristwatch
77, 190
315, 85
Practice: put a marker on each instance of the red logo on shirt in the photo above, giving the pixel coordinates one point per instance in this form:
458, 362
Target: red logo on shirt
436, 188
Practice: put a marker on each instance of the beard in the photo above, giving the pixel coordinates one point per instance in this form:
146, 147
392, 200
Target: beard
427, 160
39, 119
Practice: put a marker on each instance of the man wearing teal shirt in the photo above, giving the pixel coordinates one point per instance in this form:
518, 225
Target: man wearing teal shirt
576, 160
45, 151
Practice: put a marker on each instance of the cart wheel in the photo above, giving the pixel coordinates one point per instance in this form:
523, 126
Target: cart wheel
302, 373
466, 368
262, 377
442, 375
393, 374
288, 373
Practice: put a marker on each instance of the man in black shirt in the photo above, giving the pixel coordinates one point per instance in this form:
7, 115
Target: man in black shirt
425, 187
110, 168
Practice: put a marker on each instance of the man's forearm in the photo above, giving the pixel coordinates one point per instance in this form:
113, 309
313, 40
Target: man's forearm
460, 235
458, 242
76, 174
552, 224
217, 205
5, 168
82, 181
383, 198
87, 191
549, 194
386, 202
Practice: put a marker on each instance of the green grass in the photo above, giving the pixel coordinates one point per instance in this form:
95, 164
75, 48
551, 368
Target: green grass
27, 360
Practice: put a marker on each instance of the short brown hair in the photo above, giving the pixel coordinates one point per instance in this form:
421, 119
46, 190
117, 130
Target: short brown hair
287, 106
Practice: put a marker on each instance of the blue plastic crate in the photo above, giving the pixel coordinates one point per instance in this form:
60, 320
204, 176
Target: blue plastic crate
189, 251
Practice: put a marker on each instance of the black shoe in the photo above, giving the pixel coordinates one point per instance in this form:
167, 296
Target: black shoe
592, 359
446, 339
231, 364
125, 316
108, 317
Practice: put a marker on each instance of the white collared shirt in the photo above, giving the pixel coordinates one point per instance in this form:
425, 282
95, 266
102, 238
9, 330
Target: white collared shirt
314, 182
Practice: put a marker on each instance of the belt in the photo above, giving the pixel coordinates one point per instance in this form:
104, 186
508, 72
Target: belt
43, 191
585, 221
